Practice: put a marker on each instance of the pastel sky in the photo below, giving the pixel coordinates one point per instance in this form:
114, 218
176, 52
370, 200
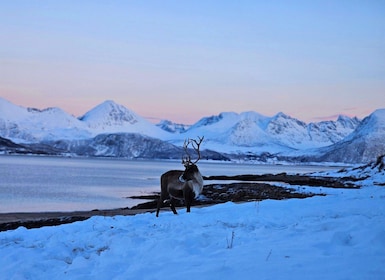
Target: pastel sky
184, 60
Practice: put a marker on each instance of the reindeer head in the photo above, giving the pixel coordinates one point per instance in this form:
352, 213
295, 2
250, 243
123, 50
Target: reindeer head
191, 171
186, 160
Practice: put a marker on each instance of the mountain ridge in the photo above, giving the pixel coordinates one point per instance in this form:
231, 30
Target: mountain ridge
364, 145
234, 135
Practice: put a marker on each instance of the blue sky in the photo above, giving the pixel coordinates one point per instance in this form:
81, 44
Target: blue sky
183, 60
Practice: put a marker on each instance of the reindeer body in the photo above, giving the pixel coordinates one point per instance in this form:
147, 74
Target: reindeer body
179, 185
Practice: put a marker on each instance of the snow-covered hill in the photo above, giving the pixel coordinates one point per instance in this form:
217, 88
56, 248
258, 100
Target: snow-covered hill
370, 174
110, 117
28, 125
297, 134
363, 145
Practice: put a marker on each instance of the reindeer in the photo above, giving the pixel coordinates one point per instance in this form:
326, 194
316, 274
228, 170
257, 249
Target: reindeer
182, 185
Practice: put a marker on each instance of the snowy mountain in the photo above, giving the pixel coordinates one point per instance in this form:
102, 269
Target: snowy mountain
252, 132
7, 146
234, 133
333, 131
126, 145
299, 135
363, 145
110, 129
172, 127
110, 117
29, 125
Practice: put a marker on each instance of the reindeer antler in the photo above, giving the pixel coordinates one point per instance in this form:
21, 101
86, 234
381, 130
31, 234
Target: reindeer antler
196, 146
186, 160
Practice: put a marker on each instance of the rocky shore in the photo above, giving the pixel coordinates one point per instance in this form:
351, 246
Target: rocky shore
246, 188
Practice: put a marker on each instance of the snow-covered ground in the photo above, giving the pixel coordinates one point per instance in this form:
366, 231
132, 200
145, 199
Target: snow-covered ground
338, 236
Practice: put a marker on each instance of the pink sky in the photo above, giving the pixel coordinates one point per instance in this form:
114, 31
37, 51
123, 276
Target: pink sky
181, 61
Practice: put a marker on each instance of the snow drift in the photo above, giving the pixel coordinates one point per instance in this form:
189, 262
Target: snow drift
338, 236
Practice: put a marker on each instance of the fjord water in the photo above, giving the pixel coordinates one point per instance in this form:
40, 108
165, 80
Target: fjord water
38, 184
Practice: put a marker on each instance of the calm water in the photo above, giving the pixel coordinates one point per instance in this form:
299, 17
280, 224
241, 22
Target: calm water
29, 183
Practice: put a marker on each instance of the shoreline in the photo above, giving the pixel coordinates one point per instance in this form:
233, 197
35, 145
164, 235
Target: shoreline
9, 221
242, 191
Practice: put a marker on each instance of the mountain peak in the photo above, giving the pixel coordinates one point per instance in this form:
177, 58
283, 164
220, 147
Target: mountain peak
110, 104
374, 122
11, 111
109, 113
379, 113
110, 117
281, 115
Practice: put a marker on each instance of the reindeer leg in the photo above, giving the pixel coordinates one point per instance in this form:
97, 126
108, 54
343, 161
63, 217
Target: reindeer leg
161, 201
188, 194
159, 205
172, 200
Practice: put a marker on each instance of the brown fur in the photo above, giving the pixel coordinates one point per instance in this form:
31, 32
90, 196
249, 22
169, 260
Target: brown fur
173, 189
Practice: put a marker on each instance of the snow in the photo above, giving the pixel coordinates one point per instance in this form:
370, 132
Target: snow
227, 132
253, 132
9, 111
367, 175
172, 127
28, 125
244, 135
338, 236
109, 117
361, 146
